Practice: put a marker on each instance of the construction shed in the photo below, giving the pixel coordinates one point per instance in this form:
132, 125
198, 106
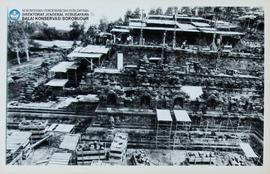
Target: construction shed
91, 54
66, 70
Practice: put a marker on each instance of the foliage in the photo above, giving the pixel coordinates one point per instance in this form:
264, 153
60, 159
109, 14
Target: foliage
76, 31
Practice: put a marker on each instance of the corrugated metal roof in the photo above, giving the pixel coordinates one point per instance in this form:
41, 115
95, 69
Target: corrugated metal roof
70, 142
90, 51
225, 33
167, 28
107, 70
155, 58
57, 82
181, 116
249, 153
61, 67
77, 49
136, 24
85, 55
164, 115
94, 49
200, 24
160, 16
160, 21
190, 17
186, 27
61, 127
120, 30
16, 139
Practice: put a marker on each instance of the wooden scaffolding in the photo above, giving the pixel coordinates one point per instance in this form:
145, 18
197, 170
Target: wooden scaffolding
182, 127
164, 128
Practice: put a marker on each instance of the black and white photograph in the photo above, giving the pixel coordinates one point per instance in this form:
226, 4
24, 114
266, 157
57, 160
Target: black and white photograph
146, 85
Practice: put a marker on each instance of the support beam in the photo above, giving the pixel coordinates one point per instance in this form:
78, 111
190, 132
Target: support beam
141, 34
174, 32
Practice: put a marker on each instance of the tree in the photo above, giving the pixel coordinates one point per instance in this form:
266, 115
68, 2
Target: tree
50, 33
213, 101
136, 13
218, 11
159, 11
45, 68
169, 11
228, 11
247, 9
18, 38
88, 37
152, 11
207, 9
76, 31
17, 49
91, 31
110, 26
127, 16
200, 10
175, 10
240, 10
103, 24
186, 10
119, 22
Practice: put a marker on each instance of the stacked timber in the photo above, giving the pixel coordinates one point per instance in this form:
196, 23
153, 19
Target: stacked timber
90, 151
200, 157
26, 93
13, 123
36, 127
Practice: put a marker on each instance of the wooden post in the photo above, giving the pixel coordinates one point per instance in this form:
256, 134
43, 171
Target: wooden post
91, 64
141, 35
163, 45
76, 80
174, 32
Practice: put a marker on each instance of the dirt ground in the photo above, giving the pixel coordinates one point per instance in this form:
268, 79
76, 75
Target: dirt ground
157, 157
40, 156
27, 70
162, 157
